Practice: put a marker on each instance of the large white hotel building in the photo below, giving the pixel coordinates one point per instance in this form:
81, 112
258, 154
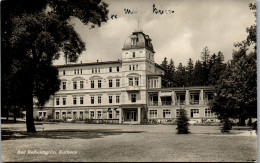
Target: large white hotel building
125, 91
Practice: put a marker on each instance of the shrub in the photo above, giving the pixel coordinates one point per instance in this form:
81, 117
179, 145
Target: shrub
182, 123
227, 125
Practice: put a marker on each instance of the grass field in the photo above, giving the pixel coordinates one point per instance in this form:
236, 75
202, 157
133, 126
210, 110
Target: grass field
93, 142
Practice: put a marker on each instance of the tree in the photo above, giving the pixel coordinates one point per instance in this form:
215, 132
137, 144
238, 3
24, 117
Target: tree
180, 76
216, 68
182, 122
189, 73
205, 56
34, 33
236, 95
197, 74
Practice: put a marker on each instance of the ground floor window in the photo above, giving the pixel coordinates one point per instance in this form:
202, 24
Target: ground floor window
74, 115
167, 113
194, 112
42, 115
117, 113
178, 112
92, 114
81, 115
64, 115
110, 114
99, 114
57, 115
208, 113
153, 113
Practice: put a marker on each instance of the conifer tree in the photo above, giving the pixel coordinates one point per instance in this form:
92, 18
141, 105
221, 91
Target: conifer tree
182, 122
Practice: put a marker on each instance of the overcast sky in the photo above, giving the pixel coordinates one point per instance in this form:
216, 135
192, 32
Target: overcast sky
180, 35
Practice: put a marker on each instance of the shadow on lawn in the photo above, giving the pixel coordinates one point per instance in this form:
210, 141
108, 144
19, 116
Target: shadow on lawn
62, 134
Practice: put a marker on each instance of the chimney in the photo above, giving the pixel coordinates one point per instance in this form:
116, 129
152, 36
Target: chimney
97, 61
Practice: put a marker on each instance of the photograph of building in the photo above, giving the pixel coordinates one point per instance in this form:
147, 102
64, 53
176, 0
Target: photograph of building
125, 91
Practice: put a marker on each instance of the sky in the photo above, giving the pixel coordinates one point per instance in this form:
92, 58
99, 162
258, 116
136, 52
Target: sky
179, 35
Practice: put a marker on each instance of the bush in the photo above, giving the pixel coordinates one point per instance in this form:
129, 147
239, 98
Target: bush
227, 126
182, 123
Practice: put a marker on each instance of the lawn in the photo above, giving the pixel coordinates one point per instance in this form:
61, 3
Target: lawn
85, 142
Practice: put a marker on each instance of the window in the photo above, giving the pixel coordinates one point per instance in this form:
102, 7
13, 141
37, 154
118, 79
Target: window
117, 69
75, 71
92, 101
64, 101
117, 113
74, 100
98, 70
133, 67
133, 54
110, 69
178, 112
92, 114
133, 97
64, 85
99, 83
110, 99
167, 113
99, 114
64, 72
81, 84
130, 67
194, 113
136, 81
117, 82
74, 85
110, 114
81, 100
131, 82
117, 99
95, 70
92, 70
92, 84
133, 41
57, 101
153, 113
99, 99
209, 113
136, 66
110, 83
80, 71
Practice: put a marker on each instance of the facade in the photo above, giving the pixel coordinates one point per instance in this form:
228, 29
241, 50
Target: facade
124, 91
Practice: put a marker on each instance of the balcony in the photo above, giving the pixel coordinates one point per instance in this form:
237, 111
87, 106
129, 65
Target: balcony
133, 88
195, 102
153, 103
181, 102
166, 103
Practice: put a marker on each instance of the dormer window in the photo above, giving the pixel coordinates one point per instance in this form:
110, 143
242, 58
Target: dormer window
133, 54
133, 41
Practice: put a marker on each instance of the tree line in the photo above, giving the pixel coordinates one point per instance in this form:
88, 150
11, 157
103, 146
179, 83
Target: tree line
204, 72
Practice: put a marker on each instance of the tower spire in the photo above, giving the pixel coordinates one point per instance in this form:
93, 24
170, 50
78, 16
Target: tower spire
138, 25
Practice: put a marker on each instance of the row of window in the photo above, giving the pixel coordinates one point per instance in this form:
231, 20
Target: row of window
193, 113
91, 114
92, 84
133, 67
110, 69
94, 70
92, 100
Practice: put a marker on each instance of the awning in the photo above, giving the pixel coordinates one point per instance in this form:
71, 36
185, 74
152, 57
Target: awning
165, 94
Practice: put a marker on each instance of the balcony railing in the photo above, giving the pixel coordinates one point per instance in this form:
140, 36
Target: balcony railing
166, 102
195, 102
182, 102
153, 103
